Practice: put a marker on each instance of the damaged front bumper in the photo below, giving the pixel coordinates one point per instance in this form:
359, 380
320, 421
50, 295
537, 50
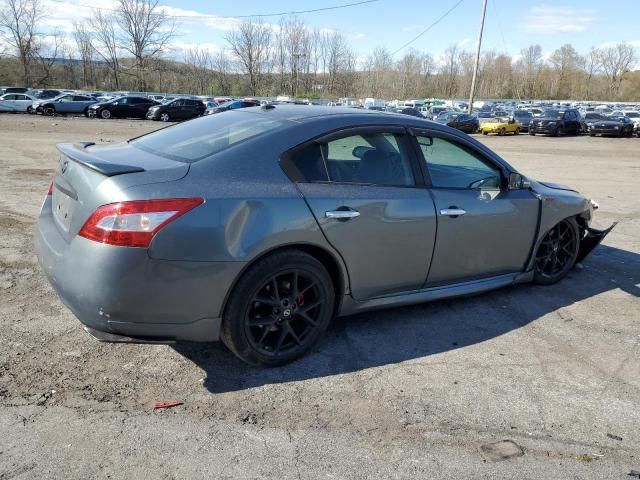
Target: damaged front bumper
591, 240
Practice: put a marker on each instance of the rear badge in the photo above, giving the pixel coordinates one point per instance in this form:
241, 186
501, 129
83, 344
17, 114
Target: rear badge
64, 166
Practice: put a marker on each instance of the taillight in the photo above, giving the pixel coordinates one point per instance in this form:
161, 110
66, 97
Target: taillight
50, 191
134, 223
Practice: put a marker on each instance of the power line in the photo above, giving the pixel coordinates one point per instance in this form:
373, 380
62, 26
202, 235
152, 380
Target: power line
255, 15
495, 9
428, 28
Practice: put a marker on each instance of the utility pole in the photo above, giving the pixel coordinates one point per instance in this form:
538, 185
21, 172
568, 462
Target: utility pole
475, 66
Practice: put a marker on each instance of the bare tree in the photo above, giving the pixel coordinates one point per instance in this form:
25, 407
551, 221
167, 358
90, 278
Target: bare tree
529, 67
145, 32
105, 42
566, 61
199, 59
46, 52
591, 66
250, 44
82, 38
19, 21
615, 62
221, 65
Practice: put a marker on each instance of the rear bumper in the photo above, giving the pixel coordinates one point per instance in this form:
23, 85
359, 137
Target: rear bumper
122, 292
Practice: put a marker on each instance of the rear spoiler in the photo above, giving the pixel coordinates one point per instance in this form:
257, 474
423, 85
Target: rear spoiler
79, 154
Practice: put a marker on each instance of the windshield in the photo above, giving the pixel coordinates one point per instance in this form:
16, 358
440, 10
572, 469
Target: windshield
203, 137
593, 116
522, 115
553, 114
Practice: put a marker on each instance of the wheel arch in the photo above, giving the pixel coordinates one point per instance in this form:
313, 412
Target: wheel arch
330, 260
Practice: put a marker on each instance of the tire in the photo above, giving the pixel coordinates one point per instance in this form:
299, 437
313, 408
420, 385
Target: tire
516, 131
105, 113
165, 117
266, 326
86, 112
557, 253
30, 109
558, 132
501, 132
51, 111
484, 132
533, 134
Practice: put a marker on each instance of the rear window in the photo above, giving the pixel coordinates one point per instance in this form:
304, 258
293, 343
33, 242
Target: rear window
203, 137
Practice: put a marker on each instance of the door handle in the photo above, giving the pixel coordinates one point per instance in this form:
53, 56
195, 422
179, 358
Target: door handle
452, 212
342, 214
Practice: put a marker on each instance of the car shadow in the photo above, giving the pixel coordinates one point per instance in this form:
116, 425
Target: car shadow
395, 335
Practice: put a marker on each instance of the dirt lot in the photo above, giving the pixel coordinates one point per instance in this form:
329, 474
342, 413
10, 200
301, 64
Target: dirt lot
405, 393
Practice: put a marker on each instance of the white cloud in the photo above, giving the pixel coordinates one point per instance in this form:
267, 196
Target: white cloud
463, 42
560, 19
358, 36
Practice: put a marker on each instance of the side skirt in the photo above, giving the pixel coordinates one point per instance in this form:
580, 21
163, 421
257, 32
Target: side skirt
351, 306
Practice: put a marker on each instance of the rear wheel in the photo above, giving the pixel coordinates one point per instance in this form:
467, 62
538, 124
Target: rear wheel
29, 109
557, 252
279, 309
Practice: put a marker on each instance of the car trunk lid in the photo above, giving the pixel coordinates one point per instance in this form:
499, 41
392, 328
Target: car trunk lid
90, 175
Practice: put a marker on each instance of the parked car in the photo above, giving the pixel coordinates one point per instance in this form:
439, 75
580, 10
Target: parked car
231, 105
64, 104
557, 122
15, 102
589, 119
460, 121
179, 109
501, 126
619, 126
46, 94
523, 117
16, 90
122, 107
408, 111
260, 225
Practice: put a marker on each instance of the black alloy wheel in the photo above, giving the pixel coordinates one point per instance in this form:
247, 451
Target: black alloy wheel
279, 309
557, 252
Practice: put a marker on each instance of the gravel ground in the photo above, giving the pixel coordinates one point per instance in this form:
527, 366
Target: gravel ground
410, 392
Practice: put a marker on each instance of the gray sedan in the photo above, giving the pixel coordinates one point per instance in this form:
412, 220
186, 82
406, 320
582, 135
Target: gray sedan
259, 225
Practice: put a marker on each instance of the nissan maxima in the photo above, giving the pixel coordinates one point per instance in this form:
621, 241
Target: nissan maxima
259, 226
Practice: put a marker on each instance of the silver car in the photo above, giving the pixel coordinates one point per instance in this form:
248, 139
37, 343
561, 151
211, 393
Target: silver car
259, 225
15, 102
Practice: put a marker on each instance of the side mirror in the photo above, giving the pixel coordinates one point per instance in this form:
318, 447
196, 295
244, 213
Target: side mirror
360, 150
518, 182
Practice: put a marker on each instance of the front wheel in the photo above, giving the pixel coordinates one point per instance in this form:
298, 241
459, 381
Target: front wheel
557, 252
279, 309
484, 132
51, 111
516, 131
106, 114
164, 116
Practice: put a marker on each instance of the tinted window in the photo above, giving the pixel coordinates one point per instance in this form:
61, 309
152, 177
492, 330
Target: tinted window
80, 98
192, 141
10, 97
307, 164
376, 158
454, 166
177, 103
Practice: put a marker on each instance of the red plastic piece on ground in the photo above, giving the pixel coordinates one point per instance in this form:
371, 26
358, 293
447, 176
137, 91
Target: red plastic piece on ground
172, 403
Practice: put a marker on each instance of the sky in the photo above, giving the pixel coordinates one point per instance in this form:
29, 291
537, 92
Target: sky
510, 25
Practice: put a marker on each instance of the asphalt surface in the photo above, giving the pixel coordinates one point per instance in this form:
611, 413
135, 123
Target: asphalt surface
415, 392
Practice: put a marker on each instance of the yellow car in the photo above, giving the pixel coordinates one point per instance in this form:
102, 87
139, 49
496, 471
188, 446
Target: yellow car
500, 126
